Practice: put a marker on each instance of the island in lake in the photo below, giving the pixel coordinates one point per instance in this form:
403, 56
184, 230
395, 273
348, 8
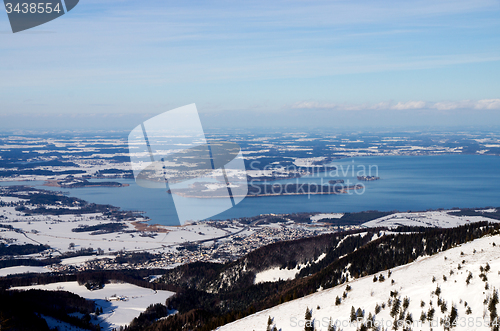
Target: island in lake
80, 182
368, 178
211, 190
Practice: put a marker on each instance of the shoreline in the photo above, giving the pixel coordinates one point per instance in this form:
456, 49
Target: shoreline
344, 191
58, 183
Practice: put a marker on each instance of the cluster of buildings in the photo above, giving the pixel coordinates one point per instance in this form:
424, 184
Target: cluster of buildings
223, 250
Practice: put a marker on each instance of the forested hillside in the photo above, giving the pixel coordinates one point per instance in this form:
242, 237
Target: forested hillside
364, 253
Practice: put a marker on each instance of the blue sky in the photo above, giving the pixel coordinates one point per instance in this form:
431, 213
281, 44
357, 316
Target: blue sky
253, 63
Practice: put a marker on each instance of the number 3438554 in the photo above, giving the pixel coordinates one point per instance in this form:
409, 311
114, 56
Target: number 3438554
33, 8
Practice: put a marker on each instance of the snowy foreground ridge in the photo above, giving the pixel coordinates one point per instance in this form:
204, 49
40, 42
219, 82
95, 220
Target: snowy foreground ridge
437, 219
121, 302
431, 288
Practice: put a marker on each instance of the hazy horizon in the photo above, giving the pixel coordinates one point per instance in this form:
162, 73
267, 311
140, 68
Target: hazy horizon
310, 120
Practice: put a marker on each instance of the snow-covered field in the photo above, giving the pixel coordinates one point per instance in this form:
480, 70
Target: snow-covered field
275, 274
319, 217
10, 199
414, 280
116, 313
79, 260
439, 219
308, 162
55, 231
22, 270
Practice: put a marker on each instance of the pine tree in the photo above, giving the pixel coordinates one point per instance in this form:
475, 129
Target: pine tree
395, 307
337, 301
353, 314
359, 313
331, 326
469, 277
492, 306
406, 303
444, 308
309, 326
453, 316
430, 314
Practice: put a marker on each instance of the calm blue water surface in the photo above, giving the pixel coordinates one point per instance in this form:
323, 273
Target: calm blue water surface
407, 183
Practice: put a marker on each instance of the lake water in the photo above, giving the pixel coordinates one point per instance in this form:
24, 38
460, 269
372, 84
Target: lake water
407, 183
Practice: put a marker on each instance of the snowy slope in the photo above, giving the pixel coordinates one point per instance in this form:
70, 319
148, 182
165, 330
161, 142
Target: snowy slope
440, 219
277, 273
319, 217
115, 313
53, 323
414, 280
22, 270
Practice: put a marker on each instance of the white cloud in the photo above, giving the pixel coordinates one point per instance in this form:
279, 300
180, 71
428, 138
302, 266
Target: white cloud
450, 105
340, 106
468, 104
313, 105
488, 104
409, 105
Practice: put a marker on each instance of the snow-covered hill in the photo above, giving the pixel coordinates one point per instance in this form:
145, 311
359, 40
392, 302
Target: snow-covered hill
121, 302
438, 219
427, 283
